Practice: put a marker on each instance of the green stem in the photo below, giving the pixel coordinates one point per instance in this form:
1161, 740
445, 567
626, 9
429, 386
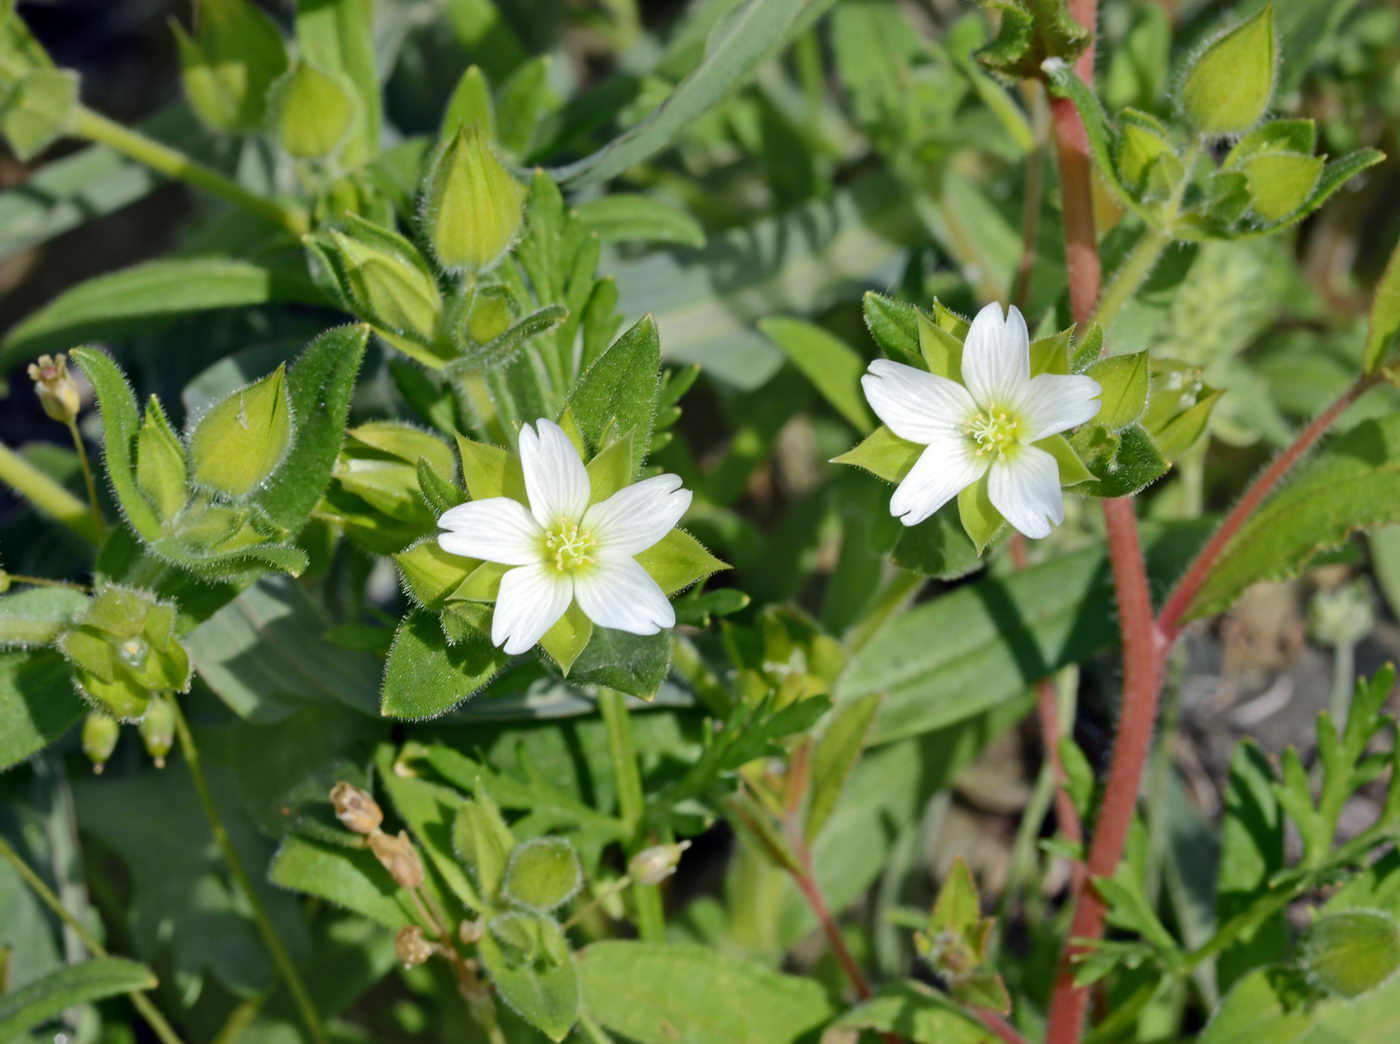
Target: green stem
271, 940
88, 481
1130, 276
47, 496
175, 164
148, 1011
631, 806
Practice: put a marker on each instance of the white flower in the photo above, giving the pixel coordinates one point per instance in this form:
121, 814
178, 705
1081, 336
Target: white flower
564, 549
985, 426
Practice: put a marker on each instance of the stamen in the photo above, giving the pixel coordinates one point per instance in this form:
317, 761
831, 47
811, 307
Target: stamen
568, 548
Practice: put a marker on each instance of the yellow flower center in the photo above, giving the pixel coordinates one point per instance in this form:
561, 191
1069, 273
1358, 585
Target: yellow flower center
994, 431
567, 547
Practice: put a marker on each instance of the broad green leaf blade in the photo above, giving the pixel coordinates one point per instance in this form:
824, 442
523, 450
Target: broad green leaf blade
319, 385
835, 755
985, 643
627, 217
918, 1014
828, 362
1353, 484
631, 663
137, 297
662, 993
36, 616
37, 703
739, 42
426, 677
348, 877
617, 395
35, 1003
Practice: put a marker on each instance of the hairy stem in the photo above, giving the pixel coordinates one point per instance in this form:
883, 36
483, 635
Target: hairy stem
1000, 1027
175, 164
47, 496
148, 1011
631, 805
1179, 601
270, 938
98, 523
811, 891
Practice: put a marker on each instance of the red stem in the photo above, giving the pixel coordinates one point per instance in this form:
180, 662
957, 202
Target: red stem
807, 882
1084, 271
1190, 584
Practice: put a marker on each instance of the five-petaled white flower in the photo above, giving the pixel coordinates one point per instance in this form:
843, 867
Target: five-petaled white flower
564, 548
985, 426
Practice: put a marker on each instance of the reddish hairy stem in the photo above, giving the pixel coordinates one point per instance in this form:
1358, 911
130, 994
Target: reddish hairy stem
1190, 584
1082, 265
808, 883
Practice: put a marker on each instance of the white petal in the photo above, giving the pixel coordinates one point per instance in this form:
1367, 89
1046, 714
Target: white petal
917, 405
496, 529
616, 592
1053, 403
634, 518
1025, 488
942, 471
555, 479
531, 599
996, 361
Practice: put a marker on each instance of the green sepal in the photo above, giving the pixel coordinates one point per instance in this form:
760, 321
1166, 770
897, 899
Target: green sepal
483, 584
1280, 182
568, 637
490, 471
240, 441
1051, 354
677, 561
980, 520
1072, 469
941, 351
611, 470
161, 469
883, 453
430, 574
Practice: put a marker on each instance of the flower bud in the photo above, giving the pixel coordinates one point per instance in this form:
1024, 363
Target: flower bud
230, 62
472, 207
57, 392
471, 931
355, 808
653, 865
1228, 87
388, 282
411, 946
1351, 951
243, 438
157, 728
399, 857
100, 732
313, 112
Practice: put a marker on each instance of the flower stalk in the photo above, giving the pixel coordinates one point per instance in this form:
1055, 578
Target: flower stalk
47, 496
631, 803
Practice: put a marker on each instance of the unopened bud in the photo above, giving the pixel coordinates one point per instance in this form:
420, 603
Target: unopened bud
100, 732
157, 728
472, 207
55, 388
653, 865
388, 282
470, 931
399, 857
355, 808
411, 946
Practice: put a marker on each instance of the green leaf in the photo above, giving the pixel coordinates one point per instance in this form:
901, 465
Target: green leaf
469, 105
47, 997
985, 643
630, 663
335, 36
1383, 335
1267, 1004
348, 877
523, 95
1123, 463
490, 471
1251, 852
37, 616
482, 839
677, 561
568, 637
835, 755
239, 442
320, 385
1228, 87
619, 391
1280, 183
626, 217
1124, 379
38, 703
120, 426
1334, 175
884, 454
1353, 484
894, 326
431, 574
545, 993
425, 676
670, 993
1351, 952
37, 109
980, 519
939, 546
480, 28
833, 366
738, 43
134, 298
230, 64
